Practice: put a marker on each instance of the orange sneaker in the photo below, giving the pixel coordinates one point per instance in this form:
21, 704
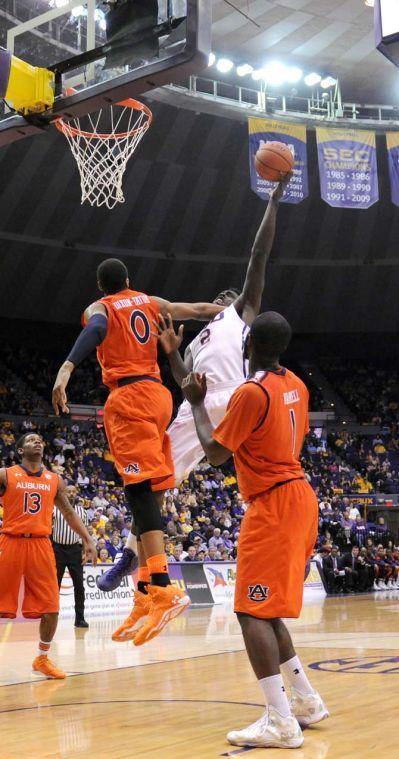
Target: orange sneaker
135, 620
44, 666
166, 604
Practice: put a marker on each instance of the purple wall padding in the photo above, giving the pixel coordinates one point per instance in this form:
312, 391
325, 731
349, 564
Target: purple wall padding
5, 66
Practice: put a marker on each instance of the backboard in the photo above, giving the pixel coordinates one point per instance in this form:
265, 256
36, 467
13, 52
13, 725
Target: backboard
105, 51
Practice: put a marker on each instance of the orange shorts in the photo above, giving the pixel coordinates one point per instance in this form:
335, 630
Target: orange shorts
136, 417
31, 559
276, 540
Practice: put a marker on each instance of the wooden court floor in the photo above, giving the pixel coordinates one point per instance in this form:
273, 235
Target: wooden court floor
178, 696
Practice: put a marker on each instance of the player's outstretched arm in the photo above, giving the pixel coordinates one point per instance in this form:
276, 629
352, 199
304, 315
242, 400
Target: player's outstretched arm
201, 312
194, 389
71, 517
248, 303
91, 336
171, 342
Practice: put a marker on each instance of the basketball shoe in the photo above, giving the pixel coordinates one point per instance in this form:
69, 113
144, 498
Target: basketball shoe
113, 578
270, 731
135, 620
44, 666
308, 708
166, 604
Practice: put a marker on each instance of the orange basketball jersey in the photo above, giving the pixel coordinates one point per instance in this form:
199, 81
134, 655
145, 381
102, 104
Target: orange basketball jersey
28, 501
130, 346
265, 425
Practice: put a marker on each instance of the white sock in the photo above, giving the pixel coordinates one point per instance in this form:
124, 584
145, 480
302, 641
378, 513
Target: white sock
275, 695
293, 671
44, 647
131, 542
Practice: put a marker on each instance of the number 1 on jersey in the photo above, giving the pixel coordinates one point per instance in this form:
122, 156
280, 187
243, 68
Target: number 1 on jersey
293, 429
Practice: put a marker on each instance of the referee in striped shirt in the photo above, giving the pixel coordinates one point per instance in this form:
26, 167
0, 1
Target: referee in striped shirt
68, 554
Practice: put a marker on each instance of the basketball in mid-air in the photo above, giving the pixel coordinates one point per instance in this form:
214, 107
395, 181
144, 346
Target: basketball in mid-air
273, 159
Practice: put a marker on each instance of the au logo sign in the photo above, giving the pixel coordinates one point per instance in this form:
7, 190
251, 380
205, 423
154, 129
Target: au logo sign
258, 592
360, 665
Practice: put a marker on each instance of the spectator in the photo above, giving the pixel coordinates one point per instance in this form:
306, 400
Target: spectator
216, 541
103, 556
99, 501
191, 554
213, 554
177, 554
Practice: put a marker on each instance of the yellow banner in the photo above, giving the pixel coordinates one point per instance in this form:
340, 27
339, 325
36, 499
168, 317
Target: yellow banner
392, 140
329, 134
270, 125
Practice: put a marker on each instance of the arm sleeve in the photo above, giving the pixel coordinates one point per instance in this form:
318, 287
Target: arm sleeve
247, 410
91, 336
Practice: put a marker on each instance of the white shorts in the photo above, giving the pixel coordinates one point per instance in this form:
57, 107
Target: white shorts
187, 451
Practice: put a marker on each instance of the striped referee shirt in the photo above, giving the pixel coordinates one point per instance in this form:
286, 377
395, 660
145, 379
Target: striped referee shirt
62, 533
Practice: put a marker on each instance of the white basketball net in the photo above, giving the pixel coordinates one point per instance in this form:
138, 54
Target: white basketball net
102, 154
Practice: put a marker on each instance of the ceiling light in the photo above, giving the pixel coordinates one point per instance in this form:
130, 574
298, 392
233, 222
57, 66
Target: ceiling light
211, 59
58, 3
78, 11
244, 69
258, 74
294, 74
224, 65
275, 73
369, 3
312, 79
328, 81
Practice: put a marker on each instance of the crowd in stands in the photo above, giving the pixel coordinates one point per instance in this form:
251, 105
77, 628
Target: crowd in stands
29, 393
202, 518
370, 391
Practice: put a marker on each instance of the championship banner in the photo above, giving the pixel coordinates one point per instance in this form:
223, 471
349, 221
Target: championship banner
348, 167
393, 164
293, 135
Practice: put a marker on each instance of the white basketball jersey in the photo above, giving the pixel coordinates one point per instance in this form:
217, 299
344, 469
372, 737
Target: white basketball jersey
218, 350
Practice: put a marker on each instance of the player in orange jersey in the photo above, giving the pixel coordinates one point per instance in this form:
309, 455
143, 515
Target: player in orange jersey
264, 426
29, 492
136, 415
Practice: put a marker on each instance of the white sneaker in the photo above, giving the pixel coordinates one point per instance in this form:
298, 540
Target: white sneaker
308, 708
382, 585
376, 586
390, 585
270, 731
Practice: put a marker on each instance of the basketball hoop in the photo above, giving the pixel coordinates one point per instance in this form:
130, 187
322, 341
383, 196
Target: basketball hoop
104, 147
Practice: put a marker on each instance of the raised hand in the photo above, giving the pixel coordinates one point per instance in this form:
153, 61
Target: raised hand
278, 191
168, 338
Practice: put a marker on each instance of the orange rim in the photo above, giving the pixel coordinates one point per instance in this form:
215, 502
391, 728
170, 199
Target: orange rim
66, 128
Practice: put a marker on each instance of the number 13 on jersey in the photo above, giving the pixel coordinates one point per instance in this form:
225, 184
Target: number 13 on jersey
32, 503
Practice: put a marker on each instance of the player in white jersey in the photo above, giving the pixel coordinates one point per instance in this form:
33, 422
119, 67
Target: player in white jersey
217, 351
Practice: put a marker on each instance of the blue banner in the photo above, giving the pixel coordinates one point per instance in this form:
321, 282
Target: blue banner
293, 135
348, 167
393, 165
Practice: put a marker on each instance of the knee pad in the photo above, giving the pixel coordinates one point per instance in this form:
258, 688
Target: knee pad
144, 507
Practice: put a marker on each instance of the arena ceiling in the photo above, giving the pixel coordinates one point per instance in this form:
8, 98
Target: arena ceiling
330, 36
334, 36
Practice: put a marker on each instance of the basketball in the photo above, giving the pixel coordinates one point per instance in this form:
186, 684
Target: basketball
272, 160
